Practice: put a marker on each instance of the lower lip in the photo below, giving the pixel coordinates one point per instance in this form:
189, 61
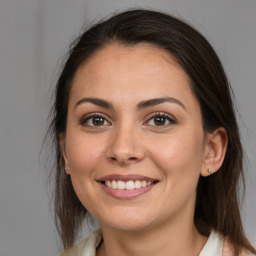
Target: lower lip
126, 193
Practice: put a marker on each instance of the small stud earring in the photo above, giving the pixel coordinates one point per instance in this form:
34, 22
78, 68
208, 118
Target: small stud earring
66, 168
209, 171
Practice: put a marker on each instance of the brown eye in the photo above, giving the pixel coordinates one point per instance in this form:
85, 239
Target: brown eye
97, 121
160, 120
94, 120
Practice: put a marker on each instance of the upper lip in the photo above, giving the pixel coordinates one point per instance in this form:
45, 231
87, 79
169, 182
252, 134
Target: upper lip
126, 177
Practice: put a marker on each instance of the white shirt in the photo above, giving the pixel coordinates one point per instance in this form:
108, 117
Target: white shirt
87, 247
213, 246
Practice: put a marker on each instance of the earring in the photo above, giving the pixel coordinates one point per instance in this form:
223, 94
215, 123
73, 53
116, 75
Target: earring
209, 171
66, 168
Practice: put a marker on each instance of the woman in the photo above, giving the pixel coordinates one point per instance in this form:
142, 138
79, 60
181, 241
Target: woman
147, 142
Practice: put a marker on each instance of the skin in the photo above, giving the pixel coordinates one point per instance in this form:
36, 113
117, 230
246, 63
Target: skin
128, 140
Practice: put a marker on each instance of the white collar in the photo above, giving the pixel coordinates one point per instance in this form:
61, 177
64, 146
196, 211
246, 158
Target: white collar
213, 246
88, 246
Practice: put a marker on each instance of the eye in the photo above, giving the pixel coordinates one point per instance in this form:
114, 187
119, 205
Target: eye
94, 120
161, 119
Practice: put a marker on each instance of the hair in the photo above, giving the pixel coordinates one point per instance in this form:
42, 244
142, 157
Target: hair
217, 204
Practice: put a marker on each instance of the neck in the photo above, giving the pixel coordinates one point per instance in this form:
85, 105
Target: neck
167, 239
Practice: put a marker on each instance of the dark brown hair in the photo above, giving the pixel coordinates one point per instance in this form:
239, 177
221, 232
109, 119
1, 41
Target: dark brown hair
217, 200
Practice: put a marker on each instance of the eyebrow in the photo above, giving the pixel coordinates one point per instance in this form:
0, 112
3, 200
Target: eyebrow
154, 102
95, 101
142, 105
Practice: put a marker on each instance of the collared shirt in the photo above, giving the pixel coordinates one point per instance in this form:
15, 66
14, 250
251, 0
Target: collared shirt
213, 246
216, 245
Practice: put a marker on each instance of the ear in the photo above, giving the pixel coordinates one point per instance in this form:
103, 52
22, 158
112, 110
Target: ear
215, 151
63, 151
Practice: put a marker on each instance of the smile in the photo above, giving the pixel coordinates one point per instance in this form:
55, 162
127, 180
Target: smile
129, 185
126, 186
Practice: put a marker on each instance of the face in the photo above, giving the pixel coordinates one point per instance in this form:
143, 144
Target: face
134, 142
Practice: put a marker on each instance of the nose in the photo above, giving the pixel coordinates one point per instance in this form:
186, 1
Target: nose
125, 146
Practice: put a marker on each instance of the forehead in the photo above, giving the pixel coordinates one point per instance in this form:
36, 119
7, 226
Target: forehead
124, 54
132, 71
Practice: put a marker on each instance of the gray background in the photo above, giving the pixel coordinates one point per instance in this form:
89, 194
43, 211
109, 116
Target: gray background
34, 35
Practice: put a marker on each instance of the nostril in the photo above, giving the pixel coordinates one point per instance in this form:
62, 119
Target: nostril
132, 158
129, 159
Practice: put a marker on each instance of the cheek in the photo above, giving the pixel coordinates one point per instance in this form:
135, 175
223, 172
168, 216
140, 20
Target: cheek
179, 154
179, 161
84, 156
83, 153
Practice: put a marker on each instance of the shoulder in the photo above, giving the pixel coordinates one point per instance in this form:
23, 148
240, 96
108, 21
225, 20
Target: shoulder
228, 249
86, 247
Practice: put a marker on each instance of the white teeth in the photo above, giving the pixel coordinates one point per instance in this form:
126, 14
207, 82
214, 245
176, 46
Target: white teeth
114, 184
143, 183
120, 184
137, 184
129, 185
108, 183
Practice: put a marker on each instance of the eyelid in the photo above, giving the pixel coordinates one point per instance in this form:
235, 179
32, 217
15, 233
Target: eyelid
86, 117
171, 118
168, 116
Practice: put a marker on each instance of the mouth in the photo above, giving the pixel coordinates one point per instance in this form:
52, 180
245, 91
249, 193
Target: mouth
127, 186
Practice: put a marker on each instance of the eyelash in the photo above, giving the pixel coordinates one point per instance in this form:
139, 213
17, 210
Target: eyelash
85, 119
164, 115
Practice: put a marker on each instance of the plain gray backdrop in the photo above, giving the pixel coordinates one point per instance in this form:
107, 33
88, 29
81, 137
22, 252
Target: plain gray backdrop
34, 35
